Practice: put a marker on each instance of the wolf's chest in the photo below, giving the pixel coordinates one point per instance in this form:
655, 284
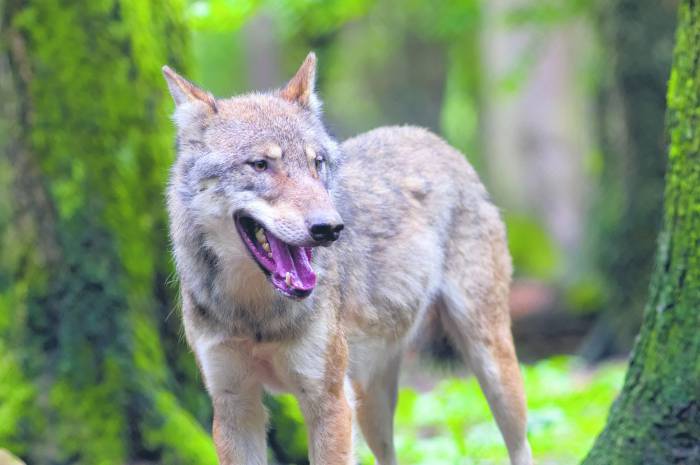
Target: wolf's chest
263, 360
263, 366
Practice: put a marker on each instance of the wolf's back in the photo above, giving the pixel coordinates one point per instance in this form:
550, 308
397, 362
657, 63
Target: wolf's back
415, 213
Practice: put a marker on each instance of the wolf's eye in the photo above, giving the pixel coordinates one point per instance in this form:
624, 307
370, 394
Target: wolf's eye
258, 165
319, 162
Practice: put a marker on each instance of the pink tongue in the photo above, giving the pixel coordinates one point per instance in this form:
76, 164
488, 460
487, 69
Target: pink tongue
293, 260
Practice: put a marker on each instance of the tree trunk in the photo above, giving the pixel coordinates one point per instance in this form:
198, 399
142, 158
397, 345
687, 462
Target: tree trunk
656, 419
628, 214
88, 367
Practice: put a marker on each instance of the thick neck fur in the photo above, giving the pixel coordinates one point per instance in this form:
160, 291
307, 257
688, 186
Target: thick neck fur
227, 287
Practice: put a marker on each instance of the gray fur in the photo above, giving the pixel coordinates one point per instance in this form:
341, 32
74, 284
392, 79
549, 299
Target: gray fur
422, 246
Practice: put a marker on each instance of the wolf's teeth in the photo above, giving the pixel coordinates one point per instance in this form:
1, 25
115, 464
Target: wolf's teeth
269, 254
266, 246
260, 235
288, 279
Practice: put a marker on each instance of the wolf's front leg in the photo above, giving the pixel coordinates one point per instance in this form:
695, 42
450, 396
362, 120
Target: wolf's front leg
321, 390
239, 428
239, 416
329, 421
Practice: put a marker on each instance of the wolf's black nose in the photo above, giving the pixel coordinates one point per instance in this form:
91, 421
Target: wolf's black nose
326, 232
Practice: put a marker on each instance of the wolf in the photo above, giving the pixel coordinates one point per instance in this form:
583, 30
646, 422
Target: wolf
309, 266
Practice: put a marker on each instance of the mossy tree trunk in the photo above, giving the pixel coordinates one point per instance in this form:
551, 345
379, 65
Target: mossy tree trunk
656, 419
628, 214
88, 360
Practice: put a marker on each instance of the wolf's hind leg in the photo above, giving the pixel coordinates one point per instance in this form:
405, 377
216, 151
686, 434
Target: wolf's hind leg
376, 402
485, 342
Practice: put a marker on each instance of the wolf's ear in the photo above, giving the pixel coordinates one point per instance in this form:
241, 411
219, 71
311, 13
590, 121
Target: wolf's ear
184, 91
300, 89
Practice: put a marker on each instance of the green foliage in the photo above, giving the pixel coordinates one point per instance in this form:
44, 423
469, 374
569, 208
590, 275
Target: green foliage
533, 250
511, 82
317, 18
537, 20
586, 294
550, 12
218, 55
452, 423
288, 434
220, 15
296, 16
459, 120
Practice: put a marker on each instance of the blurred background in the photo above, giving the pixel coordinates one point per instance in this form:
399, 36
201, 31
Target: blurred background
559, 104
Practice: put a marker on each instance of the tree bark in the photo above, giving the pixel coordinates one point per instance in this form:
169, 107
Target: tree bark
88, 369
656, 419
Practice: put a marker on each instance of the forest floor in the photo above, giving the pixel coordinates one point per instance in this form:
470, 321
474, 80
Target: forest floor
445, 420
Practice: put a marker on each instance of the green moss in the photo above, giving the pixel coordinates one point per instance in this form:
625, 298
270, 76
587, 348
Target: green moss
17, 402
90, 422
177, 433
82, 293
657, 419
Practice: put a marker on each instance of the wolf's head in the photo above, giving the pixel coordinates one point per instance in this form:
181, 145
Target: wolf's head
254, 172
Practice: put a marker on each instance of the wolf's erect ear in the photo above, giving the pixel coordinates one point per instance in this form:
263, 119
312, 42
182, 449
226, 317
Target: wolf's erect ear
184, 91
300, 89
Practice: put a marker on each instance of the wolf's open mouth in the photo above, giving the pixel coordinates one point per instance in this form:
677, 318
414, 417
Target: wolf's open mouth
287, 266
